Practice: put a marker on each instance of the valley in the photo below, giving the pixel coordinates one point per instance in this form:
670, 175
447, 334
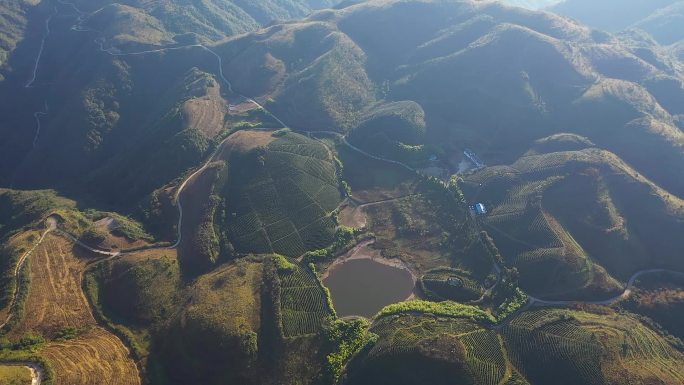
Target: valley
295, 213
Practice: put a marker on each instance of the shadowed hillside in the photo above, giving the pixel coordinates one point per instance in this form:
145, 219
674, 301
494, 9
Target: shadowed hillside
520, 162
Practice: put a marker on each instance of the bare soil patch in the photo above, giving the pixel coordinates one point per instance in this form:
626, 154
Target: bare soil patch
246, 140
364, 250
206, 113
352, 215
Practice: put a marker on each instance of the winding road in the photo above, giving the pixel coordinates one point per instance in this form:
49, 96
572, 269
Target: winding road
52, 224
610, 301
29, 84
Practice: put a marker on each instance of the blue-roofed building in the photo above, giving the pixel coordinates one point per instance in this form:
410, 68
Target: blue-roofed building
480, 209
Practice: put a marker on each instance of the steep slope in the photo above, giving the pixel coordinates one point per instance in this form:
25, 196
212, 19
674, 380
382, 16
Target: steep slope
593, 348
211, 19
569, 215
335, 70
665, 24
610, 15
269, 193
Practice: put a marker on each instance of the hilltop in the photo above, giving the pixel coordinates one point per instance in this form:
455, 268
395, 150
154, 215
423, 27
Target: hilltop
252, 155
338, 70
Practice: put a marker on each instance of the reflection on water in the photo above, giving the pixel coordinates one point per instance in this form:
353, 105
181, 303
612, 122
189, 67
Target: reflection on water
363, 286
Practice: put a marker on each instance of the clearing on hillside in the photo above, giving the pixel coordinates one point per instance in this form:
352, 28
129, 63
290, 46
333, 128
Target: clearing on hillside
373, 180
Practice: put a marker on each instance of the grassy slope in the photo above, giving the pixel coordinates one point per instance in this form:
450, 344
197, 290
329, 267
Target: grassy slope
218, 324
246, 322
14, 375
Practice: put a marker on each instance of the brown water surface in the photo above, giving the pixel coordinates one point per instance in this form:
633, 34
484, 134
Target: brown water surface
364, 286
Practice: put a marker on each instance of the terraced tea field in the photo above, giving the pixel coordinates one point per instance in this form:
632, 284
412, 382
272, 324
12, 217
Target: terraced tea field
284, 202
477, 350
575, 346
568, 216
303, 303
451, 284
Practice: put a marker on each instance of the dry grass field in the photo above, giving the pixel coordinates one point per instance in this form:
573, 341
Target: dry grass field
246, 140
206, 113
95, 357
55, 300
14, 375
56, 304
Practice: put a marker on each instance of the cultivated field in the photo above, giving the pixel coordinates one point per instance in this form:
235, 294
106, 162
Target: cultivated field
474, 353
94, 357
245, 140
281, 200
55, 299
303, 303
56, 306
591, 348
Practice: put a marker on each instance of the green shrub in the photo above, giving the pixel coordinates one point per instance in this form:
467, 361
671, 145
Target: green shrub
344, 237
283, 265
346, 338
281, 132
68, 333
512, 304
29, 341
446, 308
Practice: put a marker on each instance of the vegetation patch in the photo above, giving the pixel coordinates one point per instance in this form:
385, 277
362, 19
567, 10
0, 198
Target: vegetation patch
445, 308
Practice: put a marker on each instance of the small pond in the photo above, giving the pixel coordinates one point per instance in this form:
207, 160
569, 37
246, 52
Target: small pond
364, 286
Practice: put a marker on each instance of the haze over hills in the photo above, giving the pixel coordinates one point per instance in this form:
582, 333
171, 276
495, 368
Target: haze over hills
181, 180
611, 15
